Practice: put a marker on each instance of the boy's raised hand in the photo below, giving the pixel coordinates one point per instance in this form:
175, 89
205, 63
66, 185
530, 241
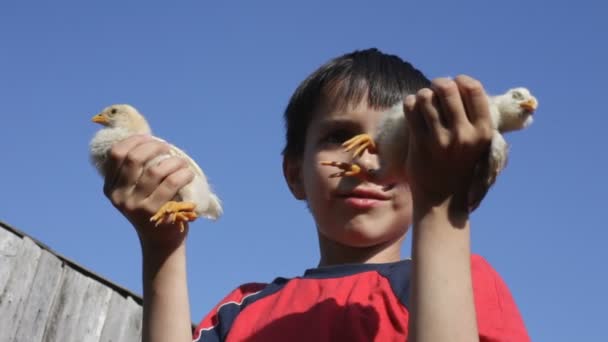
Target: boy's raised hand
139, 192
450, 132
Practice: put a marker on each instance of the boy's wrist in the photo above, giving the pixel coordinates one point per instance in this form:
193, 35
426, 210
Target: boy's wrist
156, 250
162, 239
166, 312
448, 208
166, 261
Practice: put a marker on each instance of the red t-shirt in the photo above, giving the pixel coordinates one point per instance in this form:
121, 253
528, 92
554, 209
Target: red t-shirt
362, 302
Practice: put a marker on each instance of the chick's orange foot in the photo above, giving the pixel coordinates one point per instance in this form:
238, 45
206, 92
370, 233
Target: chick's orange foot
348, 169
175, 212
360, 143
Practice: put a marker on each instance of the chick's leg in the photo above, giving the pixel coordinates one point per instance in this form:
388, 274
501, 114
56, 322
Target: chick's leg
360, 143
348, 169
175, 212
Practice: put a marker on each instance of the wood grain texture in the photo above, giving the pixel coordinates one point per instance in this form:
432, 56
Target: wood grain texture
115, 324
37, 307
9, 246
93, 311
63, 321
17, 289
134, 320
123, 322
46, 297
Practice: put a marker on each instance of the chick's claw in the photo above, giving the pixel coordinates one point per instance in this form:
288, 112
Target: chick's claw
361, 142
182, 217
348, 169
175, 212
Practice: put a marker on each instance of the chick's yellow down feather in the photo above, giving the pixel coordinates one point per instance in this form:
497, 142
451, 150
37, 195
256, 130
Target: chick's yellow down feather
510, 111
195, 199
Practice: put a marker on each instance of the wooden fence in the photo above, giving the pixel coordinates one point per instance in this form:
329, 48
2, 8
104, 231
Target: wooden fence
46, 297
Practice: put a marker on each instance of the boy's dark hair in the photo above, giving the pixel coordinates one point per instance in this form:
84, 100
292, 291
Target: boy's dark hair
385, 80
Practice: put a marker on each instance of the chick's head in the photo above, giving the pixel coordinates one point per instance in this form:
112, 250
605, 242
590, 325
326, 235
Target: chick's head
123, 116
517, 106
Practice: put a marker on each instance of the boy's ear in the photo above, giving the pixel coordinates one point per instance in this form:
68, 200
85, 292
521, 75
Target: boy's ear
292, 171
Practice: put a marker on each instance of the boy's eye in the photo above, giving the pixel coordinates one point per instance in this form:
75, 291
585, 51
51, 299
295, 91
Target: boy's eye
337, 136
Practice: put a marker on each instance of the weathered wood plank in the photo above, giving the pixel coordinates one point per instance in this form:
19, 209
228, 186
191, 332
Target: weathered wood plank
123, 323
63, 320
43, 297
134, 318
116, 320
9, 246
17, 288
93, 312
38, 305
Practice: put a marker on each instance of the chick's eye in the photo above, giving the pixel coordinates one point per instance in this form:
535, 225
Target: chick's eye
517, 95
113, 111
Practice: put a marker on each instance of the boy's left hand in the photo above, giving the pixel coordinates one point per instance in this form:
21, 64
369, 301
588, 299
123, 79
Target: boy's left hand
450, 132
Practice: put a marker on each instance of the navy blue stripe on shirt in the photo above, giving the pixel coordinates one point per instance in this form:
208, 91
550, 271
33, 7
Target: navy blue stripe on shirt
227, 312
398, 274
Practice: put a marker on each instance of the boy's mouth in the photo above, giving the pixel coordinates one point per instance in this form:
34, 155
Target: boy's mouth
369, 193
362, 203
365, 194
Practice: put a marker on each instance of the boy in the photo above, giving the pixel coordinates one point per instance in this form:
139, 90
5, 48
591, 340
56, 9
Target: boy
362, 290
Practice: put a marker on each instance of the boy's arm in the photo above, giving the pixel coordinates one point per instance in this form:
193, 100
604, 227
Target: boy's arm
442, 306
138, 193
166, 314
450, 126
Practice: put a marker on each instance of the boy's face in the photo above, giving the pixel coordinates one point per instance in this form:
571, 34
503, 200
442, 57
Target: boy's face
348, 210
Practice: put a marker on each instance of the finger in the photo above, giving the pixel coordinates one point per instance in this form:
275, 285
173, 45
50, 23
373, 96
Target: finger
417, 126
168, 188
116, 157
448, 95
153, 176
414, 119
427, 105
475, 100
133, 164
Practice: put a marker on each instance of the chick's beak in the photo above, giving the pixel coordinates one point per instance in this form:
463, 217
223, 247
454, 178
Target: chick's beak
529, 105
100, 119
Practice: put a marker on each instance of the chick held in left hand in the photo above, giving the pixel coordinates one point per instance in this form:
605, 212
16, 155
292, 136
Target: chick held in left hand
196, 199
509, 112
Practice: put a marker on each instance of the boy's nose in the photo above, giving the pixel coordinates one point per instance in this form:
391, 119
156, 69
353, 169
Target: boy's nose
368, 162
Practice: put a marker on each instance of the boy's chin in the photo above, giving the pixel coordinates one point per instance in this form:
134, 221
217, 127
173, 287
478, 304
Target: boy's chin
366, 237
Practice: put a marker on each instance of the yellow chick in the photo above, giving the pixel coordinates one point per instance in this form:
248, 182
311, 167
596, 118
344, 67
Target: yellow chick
510, 111
193, 200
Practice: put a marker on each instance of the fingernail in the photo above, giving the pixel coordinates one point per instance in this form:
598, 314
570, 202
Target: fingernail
409, 102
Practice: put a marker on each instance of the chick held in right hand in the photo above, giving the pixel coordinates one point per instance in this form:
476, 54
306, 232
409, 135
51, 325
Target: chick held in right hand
510, 111
196, 199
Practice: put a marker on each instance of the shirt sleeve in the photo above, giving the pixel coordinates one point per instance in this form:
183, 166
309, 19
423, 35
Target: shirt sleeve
216, 324
498, 317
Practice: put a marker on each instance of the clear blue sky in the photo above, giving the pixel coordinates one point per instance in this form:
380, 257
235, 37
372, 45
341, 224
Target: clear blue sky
214, 79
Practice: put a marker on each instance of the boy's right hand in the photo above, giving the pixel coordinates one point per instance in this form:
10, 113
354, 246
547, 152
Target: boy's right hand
138, 192
451, 132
